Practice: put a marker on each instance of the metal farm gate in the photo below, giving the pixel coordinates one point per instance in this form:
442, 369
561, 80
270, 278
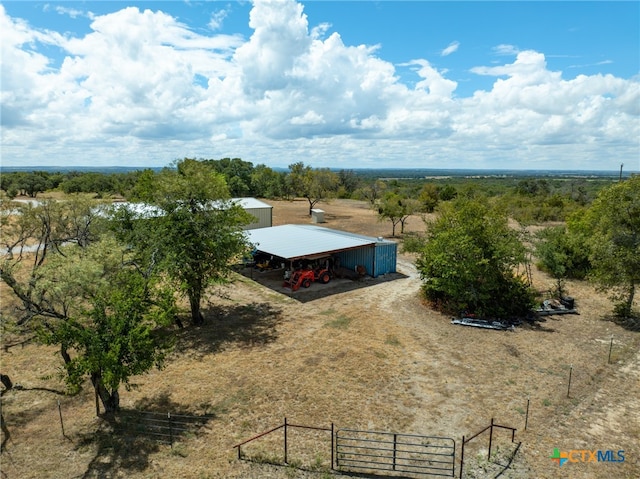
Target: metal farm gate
370, 451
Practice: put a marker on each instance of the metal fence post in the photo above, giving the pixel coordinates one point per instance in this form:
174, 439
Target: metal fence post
332, 447
462, 457
490, 439
170, 430
61, 423
395, 446
285, 441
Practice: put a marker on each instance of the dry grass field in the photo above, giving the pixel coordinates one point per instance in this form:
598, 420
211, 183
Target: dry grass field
373, 357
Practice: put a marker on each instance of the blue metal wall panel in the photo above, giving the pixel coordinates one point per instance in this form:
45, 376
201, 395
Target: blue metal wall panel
386, 255
360, 256
377, 259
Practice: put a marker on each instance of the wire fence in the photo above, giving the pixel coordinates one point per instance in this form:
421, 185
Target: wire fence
161, 427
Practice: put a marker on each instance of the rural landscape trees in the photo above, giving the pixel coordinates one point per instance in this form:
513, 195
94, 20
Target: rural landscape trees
92, 280
468, 263
195, 231
600, 242
79, 290
101, 283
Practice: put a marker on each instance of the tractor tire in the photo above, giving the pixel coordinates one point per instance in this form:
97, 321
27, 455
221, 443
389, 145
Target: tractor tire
325, 278
306, 283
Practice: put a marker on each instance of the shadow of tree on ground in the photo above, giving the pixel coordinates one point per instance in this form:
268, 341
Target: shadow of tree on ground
245, 325
631, 323
126, 440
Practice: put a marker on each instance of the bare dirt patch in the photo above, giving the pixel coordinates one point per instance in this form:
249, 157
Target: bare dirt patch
373, 357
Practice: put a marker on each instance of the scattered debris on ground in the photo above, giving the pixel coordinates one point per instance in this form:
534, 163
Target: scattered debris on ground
483, 323
565, 305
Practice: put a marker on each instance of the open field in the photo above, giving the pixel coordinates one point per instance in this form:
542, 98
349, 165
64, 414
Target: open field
368, 358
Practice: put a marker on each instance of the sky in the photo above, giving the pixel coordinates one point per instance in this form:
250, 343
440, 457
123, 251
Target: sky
339, 84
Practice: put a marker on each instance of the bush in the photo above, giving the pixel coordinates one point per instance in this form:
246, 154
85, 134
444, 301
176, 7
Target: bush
468, 261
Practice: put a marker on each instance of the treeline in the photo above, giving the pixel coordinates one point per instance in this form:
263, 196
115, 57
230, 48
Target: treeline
527, 199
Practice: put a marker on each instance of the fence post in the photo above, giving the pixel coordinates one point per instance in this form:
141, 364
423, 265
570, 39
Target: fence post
610, 348
332, 447
490, 440
61, 423
395, 446
569, 387
285, 441
526, 417
170, 430
462, 457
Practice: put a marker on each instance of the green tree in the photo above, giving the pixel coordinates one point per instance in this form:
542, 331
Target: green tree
267, 183
562, 254
112, 327
372, 192
429, 197
196, 232
612, 228
348, 183
85, 294
236, 172
468, 261
314, 185
397, 209
28, 184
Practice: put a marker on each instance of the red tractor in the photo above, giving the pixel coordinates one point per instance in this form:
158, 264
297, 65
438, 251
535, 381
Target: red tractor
304, 278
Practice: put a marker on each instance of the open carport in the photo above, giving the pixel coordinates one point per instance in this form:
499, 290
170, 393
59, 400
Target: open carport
291, 247
291, 243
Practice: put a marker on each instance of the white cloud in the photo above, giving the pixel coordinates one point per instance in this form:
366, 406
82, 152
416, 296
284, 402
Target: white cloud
142, 88
452, 48
217, 19
71, 12
504, 49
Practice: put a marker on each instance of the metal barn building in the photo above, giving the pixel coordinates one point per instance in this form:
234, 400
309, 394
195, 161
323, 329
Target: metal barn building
309, 242
262, 212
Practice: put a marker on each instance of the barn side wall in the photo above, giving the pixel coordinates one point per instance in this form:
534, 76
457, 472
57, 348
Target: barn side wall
386, 258
263, 218
379, 258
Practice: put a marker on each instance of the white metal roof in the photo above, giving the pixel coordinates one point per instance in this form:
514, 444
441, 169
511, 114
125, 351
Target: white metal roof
143, 210
304, 241
251, 203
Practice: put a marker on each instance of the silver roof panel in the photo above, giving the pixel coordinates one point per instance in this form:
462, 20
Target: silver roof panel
301, 241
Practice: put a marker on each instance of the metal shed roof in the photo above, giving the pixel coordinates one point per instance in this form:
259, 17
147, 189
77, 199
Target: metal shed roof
305, 241
144, 210
251, 203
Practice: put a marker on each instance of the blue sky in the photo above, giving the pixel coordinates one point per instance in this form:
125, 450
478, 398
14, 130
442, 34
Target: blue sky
517, 85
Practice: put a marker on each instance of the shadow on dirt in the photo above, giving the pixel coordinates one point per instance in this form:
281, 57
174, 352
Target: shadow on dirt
630, 323
125, 441
244, 325
273, 279
116, 454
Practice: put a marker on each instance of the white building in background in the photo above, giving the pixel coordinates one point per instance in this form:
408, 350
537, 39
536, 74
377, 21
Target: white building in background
261, 211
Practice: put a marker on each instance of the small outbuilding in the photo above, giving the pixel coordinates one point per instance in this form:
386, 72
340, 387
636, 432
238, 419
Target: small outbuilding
290, 243
317, 216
